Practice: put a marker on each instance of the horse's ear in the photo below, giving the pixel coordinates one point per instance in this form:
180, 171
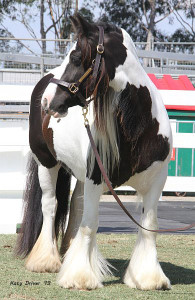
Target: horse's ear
80, 25
75, 23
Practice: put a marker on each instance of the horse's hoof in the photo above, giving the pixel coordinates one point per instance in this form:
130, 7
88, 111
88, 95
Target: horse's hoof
43, 258
159, 282
80, 281
47, 264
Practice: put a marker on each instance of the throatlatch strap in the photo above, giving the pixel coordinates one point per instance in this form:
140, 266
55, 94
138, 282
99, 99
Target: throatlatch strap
115, 195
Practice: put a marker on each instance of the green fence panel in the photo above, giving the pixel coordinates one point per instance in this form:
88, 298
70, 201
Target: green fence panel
185, 127
184, 163
172, 168
194, 164
184, 166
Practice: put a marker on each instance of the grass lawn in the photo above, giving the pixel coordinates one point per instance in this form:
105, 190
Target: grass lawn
175, 252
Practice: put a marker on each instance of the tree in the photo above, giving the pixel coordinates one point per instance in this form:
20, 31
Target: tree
4, 6
141, 19
184, 13
138, 17
53, 17
50, 14
9, 9
5, 44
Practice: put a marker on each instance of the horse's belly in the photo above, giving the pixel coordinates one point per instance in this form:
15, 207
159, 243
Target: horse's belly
143, 181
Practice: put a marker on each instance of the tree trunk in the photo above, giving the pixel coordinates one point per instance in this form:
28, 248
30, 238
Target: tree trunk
42, 31
150, 36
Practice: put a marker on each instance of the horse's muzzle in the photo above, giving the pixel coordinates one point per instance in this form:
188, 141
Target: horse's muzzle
51, 112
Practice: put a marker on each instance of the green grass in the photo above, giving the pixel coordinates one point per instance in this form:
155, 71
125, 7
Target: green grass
175, 252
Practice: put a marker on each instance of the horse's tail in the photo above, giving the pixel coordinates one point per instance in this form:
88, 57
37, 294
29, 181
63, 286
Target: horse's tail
33, 217
62, 195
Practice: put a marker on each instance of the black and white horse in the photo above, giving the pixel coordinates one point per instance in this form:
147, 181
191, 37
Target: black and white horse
132, 132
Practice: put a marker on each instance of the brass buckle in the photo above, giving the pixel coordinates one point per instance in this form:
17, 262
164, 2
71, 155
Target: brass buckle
73, 88
100, 48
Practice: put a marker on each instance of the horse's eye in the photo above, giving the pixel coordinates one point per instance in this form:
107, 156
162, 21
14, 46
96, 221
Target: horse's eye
76, 60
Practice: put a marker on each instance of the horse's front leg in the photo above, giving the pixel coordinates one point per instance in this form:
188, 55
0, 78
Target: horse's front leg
83, 266
144, 271
44, 256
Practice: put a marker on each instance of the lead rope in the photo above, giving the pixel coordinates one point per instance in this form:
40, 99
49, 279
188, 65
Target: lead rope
86, 123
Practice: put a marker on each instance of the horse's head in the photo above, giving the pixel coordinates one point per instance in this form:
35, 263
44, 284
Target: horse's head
78, 80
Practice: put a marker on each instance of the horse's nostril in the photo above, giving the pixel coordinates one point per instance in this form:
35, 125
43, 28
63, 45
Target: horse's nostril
61, 108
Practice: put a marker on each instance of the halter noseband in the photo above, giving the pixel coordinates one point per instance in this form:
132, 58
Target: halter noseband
73, 87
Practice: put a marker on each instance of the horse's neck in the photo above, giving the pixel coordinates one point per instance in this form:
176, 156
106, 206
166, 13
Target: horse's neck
131, 71
129, 44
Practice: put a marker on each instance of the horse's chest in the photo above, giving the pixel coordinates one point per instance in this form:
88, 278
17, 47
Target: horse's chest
68, 139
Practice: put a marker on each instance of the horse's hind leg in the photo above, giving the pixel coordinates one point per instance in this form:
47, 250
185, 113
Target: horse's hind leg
44, 256
75, 216
144, 271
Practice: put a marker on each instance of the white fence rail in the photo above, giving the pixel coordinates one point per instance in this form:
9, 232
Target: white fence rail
29, 69
164, 57
167, 63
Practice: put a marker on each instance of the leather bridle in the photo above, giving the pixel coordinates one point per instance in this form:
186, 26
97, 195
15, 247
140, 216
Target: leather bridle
74, 89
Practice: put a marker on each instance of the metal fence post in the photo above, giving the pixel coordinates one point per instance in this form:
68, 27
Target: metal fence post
71, 40
42, 66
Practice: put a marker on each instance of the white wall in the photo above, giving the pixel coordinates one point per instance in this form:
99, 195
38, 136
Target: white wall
13, 93
14, 150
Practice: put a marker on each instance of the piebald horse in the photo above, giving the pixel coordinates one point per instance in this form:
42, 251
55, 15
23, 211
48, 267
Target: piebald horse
132, 133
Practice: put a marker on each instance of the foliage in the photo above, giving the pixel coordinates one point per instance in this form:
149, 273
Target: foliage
142, 19
135, 16
5, 45
86, 13
57, 14
184, 13
66, 24
9, 9
181, 36
5, 6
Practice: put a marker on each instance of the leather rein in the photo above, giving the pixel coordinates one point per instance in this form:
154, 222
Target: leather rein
73, 88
